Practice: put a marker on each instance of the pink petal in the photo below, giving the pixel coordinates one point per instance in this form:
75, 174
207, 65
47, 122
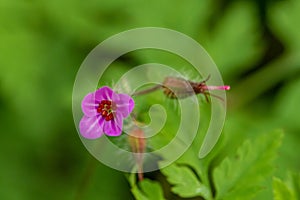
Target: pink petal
125, 104
89, 105
113, 127
91, 127
104, 93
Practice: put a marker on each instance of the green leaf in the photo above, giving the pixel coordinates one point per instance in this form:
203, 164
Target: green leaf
184, 182
240, 176
281, 190
289, 189
189, 18
285, 106
240, 39
295, 179
148, 190
189, 174
283, 19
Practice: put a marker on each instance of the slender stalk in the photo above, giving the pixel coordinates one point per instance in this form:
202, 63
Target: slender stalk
147, 91
140, 166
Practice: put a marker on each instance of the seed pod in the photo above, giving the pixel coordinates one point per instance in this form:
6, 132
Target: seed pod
180, 88
176, 87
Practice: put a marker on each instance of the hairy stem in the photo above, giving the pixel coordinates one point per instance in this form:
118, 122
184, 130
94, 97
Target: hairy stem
147, 91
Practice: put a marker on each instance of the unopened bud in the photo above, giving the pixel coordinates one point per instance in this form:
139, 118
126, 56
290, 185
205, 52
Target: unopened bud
137, 143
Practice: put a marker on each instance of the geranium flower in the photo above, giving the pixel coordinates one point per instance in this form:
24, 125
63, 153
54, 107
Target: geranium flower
104, 111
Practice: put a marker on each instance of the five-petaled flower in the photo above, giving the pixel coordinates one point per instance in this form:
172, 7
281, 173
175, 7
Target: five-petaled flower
104, 111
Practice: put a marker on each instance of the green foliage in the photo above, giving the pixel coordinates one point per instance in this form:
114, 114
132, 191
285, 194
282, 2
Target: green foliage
289, 189
229, 33
286, 104
147, 190
184, 181
284, 16
240, 175
43, 44
281, 190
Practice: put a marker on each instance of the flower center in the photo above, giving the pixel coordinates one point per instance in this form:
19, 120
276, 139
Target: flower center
105, 108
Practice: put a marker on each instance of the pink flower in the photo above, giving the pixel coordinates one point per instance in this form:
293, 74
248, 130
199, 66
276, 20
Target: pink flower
104, 111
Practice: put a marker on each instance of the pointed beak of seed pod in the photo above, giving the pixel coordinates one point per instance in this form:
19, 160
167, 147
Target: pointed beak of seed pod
223, 87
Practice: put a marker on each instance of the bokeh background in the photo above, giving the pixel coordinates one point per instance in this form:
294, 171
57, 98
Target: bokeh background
256, 45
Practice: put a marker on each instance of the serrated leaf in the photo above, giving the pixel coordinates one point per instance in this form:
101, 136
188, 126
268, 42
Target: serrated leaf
289, 189
240, 175
184, 181
295, 179
189, 174
148, 190
281, 191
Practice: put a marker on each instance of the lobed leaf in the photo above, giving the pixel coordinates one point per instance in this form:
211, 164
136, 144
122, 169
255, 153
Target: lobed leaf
184, 182
281, 190
147, 190
289, 189
240, 176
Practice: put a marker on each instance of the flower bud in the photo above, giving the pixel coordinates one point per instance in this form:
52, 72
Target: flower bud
138, 146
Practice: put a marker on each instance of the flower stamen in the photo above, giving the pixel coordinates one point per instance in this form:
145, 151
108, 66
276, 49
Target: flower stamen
105, 110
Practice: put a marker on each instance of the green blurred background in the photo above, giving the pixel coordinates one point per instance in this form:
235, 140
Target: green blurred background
256, 45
